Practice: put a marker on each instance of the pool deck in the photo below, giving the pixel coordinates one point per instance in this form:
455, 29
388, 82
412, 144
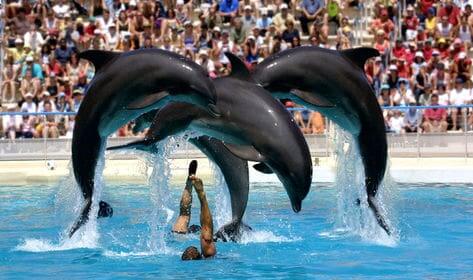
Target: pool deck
402, 170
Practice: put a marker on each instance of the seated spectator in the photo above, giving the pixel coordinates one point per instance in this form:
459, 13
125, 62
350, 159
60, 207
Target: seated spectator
48, 124
290, 32
412, 119
384, 98
228, 9
280, 18
396, 122
435, 119
29, 106
458, 96
11, 124
382, 44
383, 23
264, 21
316, 124
311, 10
248, 20
425, 98
9, 83
461, 67
410, 24
63, 53
27, 127
403, 95
451, 12
238, 33
35, 68
444, 96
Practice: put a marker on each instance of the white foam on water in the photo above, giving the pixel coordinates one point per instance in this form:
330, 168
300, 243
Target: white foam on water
68, 204
263, 236
223, 211
358, 220
121, 254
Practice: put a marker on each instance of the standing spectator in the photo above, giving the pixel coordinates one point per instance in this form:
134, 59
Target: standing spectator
312, 10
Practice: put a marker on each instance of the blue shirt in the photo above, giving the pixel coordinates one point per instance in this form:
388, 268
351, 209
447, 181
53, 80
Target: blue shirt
263, 23
228, 6
312, 6
36, 71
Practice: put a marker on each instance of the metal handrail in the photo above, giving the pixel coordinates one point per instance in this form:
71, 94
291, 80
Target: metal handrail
289, 109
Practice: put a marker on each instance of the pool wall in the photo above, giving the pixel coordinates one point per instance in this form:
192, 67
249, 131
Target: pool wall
403, 170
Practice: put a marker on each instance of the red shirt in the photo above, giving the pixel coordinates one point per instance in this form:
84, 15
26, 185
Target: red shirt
411, 22
425, 5
428, 53
410, 56
437, 114
399, 52
452, 15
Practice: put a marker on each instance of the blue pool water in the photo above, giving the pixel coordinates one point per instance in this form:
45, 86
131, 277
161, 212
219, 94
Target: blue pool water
434, 223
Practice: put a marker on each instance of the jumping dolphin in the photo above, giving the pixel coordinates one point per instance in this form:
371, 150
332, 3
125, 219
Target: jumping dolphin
125, 86
252, 125
334, 83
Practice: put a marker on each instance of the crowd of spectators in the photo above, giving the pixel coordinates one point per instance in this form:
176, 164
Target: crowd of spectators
424, 46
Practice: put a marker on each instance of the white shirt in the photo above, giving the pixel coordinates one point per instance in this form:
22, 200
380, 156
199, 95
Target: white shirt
396, 123
459, 97
444, 98
30, 108
34, 40
60, 9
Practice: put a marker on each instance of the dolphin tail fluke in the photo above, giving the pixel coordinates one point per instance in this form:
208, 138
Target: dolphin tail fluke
379, 218
232, 231
142, 145
83, 218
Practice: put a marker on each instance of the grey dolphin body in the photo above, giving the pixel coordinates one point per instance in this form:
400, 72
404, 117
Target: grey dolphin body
252, 125
233, 168
125, 86
335, 84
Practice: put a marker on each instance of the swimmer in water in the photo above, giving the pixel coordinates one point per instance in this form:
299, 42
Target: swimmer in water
207, 245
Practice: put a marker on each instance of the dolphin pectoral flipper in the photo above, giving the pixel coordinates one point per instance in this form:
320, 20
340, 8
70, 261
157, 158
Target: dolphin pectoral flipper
263, 168
359, 55
245, 152
313, 99
99, 58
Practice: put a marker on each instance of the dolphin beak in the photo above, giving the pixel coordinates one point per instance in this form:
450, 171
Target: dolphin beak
296, 205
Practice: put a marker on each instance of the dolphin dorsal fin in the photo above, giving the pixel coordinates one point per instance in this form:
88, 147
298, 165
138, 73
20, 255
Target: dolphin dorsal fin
98, 58
239, 69
360, 55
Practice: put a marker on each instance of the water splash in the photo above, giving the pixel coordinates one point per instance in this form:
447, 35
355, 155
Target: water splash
67, 206
223, 211
158, 181
264, 236
358, 220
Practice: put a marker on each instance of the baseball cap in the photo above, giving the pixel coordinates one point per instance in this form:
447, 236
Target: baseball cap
392, 67
283, 6
29, 58
419, 54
